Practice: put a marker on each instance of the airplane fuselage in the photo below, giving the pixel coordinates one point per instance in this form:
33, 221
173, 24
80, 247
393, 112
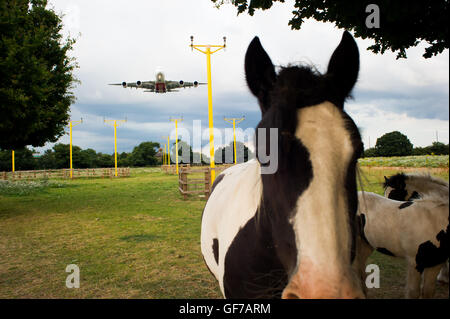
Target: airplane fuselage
160, 83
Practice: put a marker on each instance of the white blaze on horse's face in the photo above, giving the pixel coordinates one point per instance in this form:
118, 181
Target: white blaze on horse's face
321, 222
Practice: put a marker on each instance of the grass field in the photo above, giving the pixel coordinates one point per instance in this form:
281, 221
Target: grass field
131, 238
406, 161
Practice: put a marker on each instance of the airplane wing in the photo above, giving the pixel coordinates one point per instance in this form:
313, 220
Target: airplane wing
149, 85
181, 84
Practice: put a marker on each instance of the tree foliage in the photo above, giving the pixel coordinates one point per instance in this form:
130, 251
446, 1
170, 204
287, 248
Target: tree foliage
393, 144
144, 154
403, 23
36, 74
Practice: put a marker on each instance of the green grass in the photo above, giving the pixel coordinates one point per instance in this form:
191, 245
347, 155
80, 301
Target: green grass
131, 237
436, 161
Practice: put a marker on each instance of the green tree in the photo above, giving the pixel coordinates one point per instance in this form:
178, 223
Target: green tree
438, 148
23, 160
393, 144
123, 159
144, 154
403, 23
47, 160
86, 159
370, 152
104, 160
36, 74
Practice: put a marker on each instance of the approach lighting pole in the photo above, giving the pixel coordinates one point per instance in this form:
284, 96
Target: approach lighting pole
163, 155
13, 164
234, 121
71, 125
167, 151
208, 53
115, 139
176, 139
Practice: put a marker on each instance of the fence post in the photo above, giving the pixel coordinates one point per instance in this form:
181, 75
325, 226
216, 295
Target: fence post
207, 182
184, 186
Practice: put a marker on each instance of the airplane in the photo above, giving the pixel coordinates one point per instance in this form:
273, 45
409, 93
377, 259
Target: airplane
160, 85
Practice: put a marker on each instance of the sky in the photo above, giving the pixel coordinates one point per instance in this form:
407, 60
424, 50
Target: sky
131, 40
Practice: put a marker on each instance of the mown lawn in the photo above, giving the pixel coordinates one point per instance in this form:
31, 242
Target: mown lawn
131, 238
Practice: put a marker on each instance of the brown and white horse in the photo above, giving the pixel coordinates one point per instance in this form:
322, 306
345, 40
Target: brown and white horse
414, 230
411, 186
291, 233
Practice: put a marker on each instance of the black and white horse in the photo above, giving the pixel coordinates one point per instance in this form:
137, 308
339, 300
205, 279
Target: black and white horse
412, 186
414, 230
291, 233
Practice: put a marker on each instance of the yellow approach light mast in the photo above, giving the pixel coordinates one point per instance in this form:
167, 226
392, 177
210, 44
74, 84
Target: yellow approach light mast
13, 164
176, 139
208, 50
114, 123
71, 125
234, 121
163, 155
167, 150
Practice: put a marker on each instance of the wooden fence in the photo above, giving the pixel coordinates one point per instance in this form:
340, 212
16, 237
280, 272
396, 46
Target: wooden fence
65, 173
196, 180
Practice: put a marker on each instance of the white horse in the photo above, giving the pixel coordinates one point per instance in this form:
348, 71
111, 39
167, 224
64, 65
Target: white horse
412, 186
414, 230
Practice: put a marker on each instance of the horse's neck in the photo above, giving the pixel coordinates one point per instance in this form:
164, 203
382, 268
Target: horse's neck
428, 187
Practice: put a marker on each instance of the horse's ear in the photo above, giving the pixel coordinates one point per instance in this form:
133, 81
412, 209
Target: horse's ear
343, 67
259, 72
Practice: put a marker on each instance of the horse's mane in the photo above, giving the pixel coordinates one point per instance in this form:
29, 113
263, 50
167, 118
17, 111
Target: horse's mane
427, 178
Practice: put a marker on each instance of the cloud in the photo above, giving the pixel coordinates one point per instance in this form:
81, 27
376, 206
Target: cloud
130, 41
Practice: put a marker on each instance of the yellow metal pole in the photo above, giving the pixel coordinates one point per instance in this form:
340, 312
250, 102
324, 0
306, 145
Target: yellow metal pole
163, 156
71, 125
234, 138
115, 146
176, 142
210, 116
115, 142
239, 120
13, 163
208, 53
168, 149
71, 168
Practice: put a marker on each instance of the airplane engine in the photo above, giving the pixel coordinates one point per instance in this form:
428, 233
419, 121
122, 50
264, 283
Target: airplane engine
124, 84
195, 83
138, 83
181, 82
